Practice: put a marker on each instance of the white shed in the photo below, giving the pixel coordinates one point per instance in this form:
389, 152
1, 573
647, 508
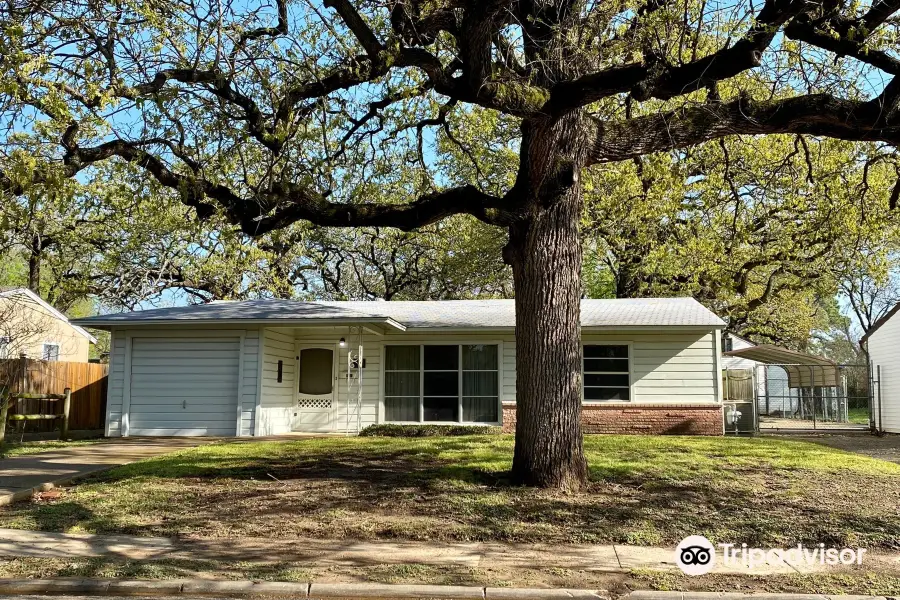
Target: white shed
882, 342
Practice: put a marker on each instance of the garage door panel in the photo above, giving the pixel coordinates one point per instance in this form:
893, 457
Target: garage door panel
179, 397
204, 380
188, 432
193, 368
209, 356
185, 387
173, 343
207, 424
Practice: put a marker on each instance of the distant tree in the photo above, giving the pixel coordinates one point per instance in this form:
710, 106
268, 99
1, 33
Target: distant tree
454, 260
276, 113
123, 240
759, 230
872, 288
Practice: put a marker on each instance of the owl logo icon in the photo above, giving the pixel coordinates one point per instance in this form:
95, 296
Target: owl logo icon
695, 555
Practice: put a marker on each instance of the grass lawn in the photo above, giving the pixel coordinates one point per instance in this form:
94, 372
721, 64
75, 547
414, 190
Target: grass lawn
9, 449
645, 490
859, 416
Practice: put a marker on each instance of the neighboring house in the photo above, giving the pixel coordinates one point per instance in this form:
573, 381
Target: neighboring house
270, 367
31, 326
882, 343
731, 341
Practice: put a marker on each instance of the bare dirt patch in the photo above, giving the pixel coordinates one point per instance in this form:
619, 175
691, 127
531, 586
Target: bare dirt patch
644, 491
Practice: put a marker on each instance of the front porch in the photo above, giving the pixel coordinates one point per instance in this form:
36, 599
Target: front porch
318, 380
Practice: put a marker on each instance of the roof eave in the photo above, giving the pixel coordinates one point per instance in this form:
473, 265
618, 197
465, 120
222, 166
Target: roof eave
108, 324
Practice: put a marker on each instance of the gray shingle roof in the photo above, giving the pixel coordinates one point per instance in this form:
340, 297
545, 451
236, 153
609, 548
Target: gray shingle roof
456, 314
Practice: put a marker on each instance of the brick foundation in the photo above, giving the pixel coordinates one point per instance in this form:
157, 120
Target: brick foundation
638, 419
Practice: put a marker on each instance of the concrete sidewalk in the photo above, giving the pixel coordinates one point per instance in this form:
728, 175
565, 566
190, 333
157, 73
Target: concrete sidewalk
20, 476
324, 553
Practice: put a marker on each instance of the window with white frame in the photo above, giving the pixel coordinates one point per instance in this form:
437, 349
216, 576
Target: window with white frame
4, 346
449, 383
606, 373
50, 352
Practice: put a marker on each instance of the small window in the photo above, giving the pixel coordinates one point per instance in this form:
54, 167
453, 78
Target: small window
727, 343
607, 375
316, 366
4, 346
280, 371
51, 352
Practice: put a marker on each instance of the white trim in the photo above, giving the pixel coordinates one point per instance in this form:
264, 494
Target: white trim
112, 349
717, 368
630, 345
300, 323
124, 424
260, 356
46, 343
49, 307
447, 342
379, 413
242, 337
99, 323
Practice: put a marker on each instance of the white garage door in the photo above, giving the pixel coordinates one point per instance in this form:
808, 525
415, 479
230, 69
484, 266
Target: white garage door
184, 386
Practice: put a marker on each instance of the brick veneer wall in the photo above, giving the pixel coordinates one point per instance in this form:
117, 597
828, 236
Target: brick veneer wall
647, 419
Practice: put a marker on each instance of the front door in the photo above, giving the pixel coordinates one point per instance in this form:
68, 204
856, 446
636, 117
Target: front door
317, 375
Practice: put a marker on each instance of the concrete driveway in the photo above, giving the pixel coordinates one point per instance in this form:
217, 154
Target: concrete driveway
883, 448
21, 475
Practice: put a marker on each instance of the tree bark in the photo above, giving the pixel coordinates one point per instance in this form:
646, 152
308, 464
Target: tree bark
545, 252
35, 254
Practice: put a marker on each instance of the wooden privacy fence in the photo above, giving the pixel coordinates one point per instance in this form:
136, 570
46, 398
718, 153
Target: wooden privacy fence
88, 382
737, 385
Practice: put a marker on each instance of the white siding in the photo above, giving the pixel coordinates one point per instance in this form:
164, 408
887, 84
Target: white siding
884, 352
277, 398
669, 367
119, 381
666, 368
250, 383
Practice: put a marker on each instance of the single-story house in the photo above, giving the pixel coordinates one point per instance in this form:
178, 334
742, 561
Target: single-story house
31, 326
267, 367
882, 343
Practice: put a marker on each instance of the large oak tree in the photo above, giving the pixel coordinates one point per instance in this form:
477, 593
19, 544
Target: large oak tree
277, 112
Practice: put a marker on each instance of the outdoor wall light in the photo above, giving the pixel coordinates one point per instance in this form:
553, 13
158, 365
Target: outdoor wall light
343, 342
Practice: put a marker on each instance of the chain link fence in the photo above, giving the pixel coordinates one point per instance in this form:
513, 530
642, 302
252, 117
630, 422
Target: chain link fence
813, 396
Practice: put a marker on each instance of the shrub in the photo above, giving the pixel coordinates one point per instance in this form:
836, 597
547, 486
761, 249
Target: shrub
414, 431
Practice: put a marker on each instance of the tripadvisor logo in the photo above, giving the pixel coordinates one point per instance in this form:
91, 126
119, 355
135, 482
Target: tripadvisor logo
695, 555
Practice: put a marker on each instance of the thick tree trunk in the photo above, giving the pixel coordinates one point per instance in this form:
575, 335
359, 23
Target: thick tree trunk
545, 252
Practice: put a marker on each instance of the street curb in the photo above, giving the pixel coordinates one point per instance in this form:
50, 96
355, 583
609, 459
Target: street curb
355, 591
651, 595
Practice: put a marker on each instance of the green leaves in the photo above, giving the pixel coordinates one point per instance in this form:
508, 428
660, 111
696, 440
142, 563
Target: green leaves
760, 229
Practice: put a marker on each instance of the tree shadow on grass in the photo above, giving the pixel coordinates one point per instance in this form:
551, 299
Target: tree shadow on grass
417, 492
